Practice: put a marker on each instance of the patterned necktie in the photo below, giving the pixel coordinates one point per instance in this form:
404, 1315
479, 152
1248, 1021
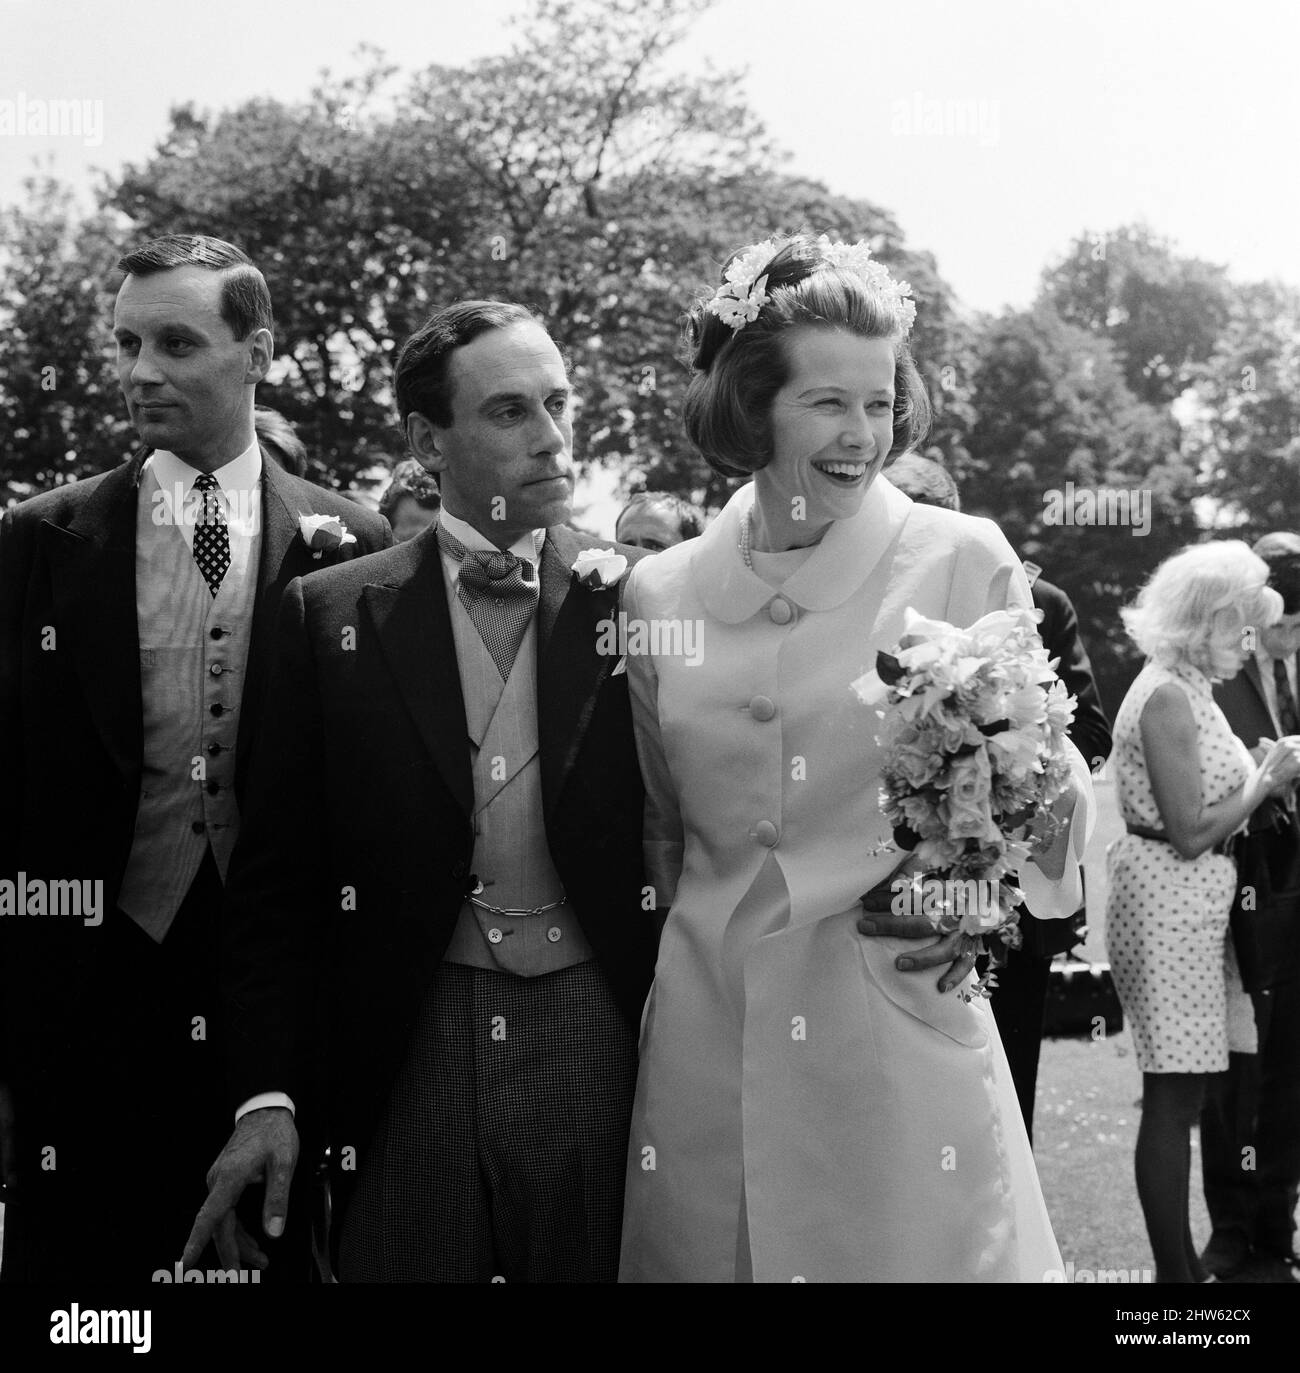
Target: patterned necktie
211, 534
1287, 716
500, 592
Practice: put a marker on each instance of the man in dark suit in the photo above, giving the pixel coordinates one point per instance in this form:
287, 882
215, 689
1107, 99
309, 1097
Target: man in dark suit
136, 618
440, 876
1250, 1125
1020, 996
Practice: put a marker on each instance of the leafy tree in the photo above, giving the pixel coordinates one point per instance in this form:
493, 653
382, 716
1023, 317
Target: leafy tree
1162, 312
1057, 425
572, 174
61, 413
1245, 423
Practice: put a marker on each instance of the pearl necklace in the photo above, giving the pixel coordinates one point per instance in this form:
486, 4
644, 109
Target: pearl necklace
746, 534
744, 539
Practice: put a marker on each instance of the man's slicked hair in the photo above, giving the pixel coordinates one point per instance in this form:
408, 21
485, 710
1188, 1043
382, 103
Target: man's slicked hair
421, 379
245, 299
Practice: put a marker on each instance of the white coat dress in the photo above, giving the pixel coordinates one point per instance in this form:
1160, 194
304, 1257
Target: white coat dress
804, 1111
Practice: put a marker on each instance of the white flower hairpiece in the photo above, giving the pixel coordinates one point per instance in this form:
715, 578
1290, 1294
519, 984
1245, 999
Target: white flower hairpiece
743, 293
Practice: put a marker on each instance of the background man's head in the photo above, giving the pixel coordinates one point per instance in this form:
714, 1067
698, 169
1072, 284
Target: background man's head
1281, 551
485, 400
411, 501
280, 439
927, 482
656, 520
194, 335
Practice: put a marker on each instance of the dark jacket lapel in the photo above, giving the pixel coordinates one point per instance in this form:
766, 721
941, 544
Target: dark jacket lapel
282, 556
570, 670
92, 576
1250, 671
413, 625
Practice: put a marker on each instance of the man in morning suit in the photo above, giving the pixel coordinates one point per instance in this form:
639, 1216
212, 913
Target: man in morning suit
443, 851
136, 619
1250, 1125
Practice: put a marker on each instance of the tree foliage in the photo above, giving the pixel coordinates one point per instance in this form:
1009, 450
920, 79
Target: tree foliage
60, 409
576, 174
1245, 425
1058, 425
1162, 312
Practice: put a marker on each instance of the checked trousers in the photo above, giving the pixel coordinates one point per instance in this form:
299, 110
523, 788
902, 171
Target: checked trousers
503, 1146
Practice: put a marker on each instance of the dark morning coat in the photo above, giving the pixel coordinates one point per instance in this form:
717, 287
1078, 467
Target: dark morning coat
356, 846
71, 733
1242, 700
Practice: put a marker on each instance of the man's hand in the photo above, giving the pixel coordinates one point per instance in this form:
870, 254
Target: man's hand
263, 1148
956, 950
8, 1139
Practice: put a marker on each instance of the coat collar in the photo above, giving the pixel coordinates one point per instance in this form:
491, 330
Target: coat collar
282, 557
570, 670
92, 571
413, 625
837, 568
1250, 671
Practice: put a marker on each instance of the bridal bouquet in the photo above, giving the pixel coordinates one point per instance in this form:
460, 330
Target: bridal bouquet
974, 731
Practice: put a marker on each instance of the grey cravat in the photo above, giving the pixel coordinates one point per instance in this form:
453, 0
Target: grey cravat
499, 592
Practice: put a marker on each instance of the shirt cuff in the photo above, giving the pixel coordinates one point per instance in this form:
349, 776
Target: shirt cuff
262, 1100
1058, 899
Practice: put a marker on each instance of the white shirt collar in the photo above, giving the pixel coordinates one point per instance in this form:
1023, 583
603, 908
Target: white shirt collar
239, 474
527, 545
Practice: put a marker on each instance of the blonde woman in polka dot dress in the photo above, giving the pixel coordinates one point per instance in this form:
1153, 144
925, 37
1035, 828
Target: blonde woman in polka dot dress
1186, 783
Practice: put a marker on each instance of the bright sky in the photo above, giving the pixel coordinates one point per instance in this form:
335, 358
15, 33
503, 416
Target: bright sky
995, 130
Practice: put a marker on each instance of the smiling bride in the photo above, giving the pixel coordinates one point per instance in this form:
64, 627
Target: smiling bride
806, 1111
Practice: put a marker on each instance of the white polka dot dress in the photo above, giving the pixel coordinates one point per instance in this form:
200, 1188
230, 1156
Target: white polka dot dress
1167, 916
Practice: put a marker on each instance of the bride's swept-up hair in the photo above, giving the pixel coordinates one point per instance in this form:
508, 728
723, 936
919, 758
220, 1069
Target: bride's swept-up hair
1184, 603
727, 413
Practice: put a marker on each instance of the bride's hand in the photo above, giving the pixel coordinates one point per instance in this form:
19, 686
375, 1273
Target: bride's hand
958, 951
883, 897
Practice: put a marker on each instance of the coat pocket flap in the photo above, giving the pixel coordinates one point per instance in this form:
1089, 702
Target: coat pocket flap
917, 994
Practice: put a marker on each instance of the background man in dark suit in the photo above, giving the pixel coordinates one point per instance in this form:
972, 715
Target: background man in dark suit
443, 850
136, 612
1250, 1125
1020, 995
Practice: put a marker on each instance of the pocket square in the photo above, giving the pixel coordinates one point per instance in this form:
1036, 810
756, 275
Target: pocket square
620, 666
